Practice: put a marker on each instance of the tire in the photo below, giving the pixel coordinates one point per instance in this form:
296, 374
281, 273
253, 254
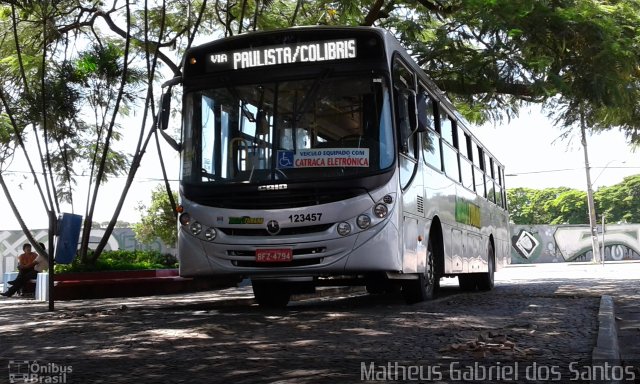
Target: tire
486, 280
424, 288
271, 294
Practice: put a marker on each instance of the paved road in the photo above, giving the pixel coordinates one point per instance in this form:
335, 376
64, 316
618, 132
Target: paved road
538, 324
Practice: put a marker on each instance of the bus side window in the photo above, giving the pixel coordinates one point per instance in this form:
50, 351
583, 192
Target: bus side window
446, 128
462, 143
450, 158
479, 180
499, 199
404, 81
431, 138
490, 187
431, 149
490, 184
466, 168
466, 173
476, 155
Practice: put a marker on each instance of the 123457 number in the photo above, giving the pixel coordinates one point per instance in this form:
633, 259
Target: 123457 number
305, 218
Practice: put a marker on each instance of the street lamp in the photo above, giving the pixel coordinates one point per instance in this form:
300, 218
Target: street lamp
605, 167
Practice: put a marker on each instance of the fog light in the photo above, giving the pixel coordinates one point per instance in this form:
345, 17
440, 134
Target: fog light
195, 228
344, 229
185, 219
363, 221
210, 234
380, 210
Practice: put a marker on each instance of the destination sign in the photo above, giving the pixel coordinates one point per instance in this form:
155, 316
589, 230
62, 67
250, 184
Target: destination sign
286, 54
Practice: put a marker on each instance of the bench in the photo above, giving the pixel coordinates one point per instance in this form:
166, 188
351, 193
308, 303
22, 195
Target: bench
29, 287
94, 285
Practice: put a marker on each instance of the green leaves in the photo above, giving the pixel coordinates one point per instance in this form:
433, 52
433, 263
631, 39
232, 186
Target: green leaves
620, 202
158, 220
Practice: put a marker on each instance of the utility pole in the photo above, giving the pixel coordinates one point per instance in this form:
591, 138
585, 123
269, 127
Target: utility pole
593, 226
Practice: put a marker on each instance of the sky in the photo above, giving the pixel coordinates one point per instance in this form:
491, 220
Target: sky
528, 146
535, 157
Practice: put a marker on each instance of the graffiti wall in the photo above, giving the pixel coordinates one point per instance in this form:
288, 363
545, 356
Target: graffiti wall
570, 243
121, 238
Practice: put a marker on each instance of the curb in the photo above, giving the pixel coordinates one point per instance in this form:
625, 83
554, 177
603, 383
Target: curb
607, 350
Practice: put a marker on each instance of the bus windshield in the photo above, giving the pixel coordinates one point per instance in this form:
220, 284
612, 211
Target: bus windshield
295, 130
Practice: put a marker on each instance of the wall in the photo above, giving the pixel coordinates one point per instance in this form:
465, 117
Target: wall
568, 243
121, 238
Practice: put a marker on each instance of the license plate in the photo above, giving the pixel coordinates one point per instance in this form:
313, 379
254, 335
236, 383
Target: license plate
274, 255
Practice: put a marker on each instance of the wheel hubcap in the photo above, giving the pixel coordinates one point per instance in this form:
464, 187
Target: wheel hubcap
429, 269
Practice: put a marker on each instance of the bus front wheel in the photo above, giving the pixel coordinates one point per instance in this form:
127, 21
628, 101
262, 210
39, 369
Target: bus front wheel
424, 288
271, 294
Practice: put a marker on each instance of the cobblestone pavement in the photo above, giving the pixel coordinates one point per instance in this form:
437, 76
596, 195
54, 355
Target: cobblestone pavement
537, 324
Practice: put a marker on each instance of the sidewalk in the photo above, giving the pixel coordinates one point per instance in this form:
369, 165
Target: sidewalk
619, 318
627, 315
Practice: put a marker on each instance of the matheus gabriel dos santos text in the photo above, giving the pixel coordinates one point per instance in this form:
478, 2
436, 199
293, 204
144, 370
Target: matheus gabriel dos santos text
513, 372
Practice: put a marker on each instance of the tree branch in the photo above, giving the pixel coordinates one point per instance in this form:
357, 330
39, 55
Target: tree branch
437, 7
374, 13
525, 91
106, 16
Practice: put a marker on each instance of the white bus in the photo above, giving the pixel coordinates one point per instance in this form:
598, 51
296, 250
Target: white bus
326, 156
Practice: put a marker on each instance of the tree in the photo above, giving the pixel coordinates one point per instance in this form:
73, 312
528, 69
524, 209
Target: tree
620, 202
158, 219
569, 207
519, 203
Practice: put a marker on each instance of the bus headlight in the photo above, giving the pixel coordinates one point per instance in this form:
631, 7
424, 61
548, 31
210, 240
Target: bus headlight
210, 234
195, 228
344, 229
363, 221
185, 218
380, 210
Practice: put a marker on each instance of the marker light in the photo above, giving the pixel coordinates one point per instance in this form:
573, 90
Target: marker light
344, 229
210, 234
179, 209
380, 210
388, 199
185, 219
363, 221
195, 228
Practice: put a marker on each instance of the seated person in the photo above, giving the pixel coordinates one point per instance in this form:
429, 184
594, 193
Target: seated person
42, 261
26, 270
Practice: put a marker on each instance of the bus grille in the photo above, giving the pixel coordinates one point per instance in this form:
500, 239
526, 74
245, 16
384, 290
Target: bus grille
304, 251
280, 199
283, 232
293, 263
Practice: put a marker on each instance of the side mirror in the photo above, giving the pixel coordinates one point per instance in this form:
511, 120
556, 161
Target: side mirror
407, 115
163, 119
165, 110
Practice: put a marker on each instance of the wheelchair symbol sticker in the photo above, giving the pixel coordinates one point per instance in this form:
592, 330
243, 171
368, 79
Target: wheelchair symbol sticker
285, 159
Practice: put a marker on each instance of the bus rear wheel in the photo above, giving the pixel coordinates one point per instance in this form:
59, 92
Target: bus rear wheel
271, 294
486, 280
424, 288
